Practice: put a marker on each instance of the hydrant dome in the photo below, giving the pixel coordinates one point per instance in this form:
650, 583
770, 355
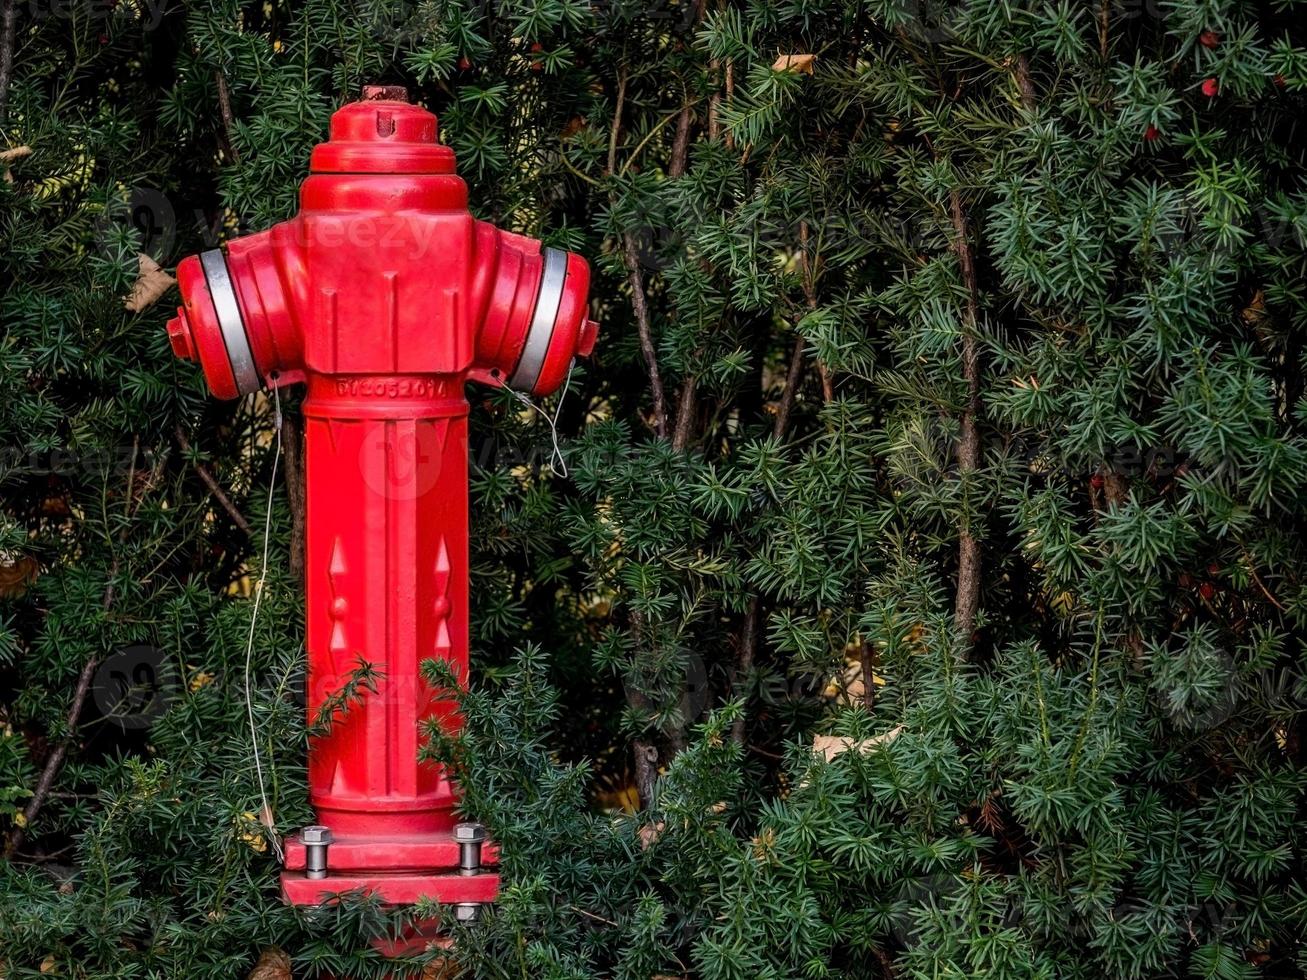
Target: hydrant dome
383, 134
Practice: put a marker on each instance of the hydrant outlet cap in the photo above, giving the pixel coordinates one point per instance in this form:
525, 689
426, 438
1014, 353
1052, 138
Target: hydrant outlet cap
383, 134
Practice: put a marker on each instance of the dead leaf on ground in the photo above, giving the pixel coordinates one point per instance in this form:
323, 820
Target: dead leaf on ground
794, 62
274, 964
151, 283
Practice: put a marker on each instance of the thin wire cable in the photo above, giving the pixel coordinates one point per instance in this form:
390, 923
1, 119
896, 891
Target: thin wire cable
557, 454
266, 812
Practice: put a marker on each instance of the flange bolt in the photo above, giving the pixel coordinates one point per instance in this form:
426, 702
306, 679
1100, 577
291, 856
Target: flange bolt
316, 841
467, 912
470, 837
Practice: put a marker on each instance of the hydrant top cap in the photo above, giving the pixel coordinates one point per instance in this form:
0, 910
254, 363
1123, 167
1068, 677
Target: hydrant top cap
383, 134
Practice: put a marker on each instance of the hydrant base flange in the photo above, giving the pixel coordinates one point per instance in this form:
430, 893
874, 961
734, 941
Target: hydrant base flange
392, 888
412, 851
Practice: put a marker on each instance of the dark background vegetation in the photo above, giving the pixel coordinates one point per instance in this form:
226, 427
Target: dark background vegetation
947, 418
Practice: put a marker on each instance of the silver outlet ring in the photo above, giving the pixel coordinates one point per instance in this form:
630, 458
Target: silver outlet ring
222, 291
541, 333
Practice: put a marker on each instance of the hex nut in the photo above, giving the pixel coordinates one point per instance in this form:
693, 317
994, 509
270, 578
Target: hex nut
467, 912
316, 835
469, 833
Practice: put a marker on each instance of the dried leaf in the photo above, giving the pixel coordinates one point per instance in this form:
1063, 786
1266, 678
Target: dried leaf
830, 746
16, 576
794, 62
9, 156
441, 968
151, 283
274, 964
650, 832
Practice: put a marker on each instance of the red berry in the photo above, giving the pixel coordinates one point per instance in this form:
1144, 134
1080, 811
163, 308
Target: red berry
1186, 580
1209, 39
1152, 133
464, 63
1211, 87
1207, 590
1279, 81
1096, 481
1213, 569
104, 38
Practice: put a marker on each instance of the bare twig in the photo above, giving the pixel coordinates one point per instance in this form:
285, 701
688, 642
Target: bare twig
968, 448
1104, 12
748, 644
56, 759
211, 482
617, 123
641, 305
685, 412
744, 657
8, 31
792, 378
681, 142
810, 265
646, 771
1024, 84
868, 676
228, 117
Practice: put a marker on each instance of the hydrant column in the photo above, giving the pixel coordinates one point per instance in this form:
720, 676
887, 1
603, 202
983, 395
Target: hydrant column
387, 528
384, 296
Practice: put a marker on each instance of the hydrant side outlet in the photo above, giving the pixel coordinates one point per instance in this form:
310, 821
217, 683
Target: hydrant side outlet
385, 295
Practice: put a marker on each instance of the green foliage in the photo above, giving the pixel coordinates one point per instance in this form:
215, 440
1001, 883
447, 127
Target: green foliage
1103, 776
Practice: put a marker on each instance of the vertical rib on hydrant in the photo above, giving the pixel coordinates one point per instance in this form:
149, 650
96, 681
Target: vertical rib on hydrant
384, 296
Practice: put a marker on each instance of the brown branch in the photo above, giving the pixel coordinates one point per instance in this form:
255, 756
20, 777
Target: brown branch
8, 32
646, 771
685, 412
56, 759
292, 447
968, 447
211, 482
792, 378
868, 676
810, 266
1024, 84
681, 142
1103, 14
749, 630
228, 117
617, 123
641, 305
744, 658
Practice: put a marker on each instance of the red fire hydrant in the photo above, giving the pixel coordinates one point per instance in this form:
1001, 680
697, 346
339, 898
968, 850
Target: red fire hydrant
384, 295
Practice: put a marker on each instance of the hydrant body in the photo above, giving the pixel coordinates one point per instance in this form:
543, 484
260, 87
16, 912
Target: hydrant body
385, 296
